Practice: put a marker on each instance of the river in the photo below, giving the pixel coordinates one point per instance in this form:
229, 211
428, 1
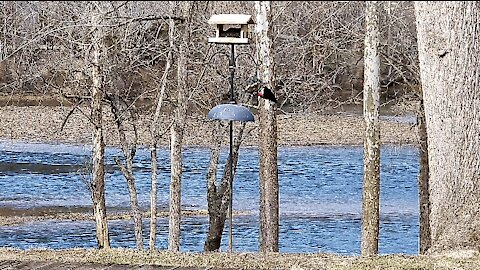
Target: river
320, 197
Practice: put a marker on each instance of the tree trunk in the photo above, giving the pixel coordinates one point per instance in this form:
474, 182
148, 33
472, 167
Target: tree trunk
423, 191
129, 150
175, 185
98, 170
136, 213
450, 73
219, 197
155, 139
176, 132
269, 205
215, 215
371, 156
153, 198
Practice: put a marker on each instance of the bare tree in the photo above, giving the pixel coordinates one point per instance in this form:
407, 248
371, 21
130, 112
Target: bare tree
269, 201
371, 156
218, 195
318, 48
156, 135
126, 166
98, 181
176, 138
448, 53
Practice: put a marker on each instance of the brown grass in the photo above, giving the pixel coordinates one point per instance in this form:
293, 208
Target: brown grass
43, 124
245, 260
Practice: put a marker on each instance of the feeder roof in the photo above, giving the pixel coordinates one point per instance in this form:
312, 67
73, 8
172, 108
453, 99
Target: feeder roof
231, 19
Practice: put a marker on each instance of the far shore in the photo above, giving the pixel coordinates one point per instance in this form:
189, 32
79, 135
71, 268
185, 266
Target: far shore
44, 124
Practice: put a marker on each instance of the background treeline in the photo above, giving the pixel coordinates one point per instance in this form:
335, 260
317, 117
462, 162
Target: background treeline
318, 49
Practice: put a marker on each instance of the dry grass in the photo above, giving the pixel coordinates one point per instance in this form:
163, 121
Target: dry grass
245, 260
42, 124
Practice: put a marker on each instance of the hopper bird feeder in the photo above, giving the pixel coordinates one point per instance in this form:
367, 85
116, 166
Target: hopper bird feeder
231, 29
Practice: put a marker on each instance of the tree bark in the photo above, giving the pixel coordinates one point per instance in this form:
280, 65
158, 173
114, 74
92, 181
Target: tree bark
219, 197
423, 188
450, 74
98, 170
269, 201
155, 139
216, 217
176, 139
371, 156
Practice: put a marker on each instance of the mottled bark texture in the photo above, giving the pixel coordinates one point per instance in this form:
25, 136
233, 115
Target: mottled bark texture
371, 156
423, 189
98, 163
269, 199
449, 55
176, 131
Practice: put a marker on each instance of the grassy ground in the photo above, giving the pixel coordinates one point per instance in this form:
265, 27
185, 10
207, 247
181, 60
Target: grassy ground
465, 261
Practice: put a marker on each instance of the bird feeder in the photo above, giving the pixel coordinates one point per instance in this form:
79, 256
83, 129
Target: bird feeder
231, 28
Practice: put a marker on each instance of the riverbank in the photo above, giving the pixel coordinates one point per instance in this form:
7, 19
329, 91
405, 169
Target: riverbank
221, 260
44, 124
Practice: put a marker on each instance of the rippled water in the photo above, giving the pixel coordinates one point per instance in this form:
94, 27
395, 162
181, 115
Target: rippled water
320, 197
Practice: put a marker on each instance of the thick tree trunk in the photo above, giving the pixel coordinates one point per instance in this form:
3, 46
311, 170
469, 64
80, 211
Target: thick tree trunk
269, 201
98, 170
371, 156
449, 55
176, 139
423, 189
215, 214
155, 139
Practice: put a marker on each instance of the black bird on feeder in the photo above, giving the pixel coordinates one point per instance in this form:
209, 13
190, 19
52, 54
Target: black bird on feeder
266, 93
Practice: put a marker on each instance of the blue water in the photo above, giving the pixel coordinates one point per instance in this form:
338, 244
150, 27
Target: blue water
320, 197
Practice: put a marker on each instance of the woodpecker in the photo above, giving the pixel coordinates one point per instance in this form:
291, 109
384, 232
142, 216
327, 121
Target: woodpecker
266, 93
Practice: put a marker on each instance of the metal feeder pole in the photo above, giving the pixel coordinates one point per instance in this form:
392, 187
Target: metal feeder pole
232, 100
